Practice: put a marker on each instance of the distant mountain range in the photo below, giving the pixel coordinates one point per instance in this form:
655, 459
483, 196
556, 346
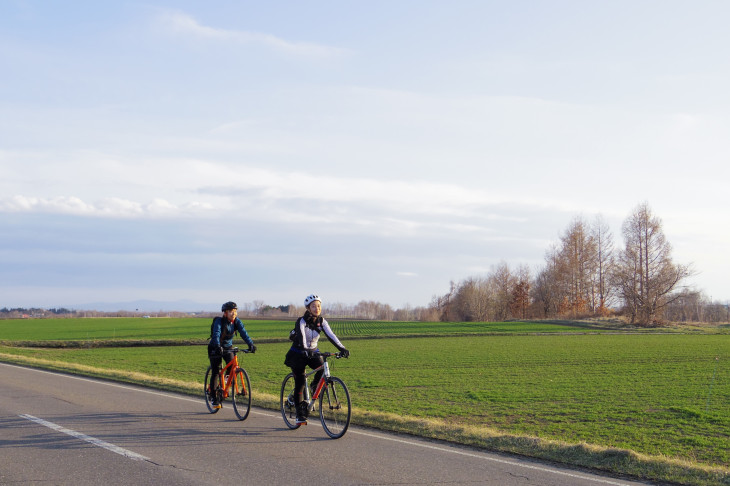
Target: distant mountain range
149, 306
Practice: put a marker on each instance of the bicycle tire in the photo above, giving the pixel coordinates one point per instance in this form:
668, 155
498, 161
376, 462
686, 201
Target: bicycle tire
208, 396
335, 408
241, 394
286, 402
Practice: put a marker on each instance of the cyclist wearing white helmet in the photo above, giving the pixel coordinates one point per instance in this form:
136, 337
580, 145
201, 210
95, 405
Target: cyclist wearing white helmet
304, 350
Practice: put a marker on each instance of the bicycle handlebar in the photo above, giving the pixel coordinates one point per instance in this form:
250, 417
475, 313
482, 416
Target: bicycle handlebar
328, 355
235, 350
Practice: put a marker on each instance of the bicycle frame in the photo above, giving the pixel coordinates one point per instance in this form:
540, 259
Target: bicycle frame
322, 384
231, 381
226, 384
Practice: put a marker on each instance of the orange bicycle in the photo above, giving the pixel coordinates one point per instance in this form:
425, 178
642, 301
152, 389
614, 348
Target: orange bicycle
233, 383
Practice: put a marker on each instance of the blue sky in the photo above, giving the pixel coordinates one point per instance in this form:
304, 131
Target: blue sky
360, 150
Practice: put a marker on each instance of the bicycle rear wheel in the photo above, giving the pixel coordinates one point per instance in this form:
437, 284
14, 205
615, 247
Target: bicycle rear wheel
335, 408
241, 394
286, 402
207, 393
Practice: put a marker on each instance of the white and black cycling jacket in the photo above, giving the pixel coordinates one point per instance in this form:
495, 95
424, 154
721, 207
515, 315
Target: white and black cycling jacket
308, 338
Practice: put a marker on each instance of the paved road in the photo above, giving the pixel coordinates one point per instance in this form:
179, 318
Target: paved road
62, 429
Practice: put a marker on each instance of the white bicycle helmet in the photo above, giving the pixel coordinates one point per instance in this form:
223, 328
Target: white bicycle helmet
310, 299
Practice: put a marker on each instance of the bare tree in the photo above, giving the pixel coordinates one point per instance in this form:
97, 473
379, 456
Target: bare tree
257, 307
645, 273
520, 299
603, 290
576, 267
442, 305
503, 283
689, 306
545, 290
404, 314
428, 314
473, 300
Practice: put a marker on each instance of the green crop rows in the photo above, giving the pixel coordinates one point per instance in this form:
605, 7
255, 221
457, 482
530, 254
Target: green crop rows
198, 328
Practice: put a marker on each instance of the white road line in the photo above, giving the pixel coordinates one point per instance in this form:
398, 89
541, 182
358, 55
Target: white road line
375, 436
493, 459
97, 442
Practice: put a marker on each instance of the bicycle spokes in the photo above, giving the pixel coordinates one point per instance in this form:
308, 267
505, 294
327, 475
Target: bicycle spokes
241, 394
288, 408
334, 408
210, 392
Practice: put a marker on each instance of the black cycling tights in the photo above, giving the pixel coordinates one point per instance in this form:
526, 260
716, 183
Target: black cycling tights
299, 370
215, 363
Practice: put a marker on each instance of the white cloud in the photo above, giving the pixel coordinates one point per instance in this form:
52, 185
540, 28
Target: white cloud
109, 207
185, 24
65, 204
195, 188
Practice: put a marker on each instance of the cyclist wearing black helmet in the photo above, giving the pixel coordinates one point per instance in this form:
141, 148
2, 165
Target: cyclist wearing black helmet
303, 352
221, 341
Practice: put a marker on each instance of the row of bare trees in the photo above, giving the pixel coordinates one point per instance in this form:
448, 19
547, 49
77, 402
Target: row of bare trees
586, 275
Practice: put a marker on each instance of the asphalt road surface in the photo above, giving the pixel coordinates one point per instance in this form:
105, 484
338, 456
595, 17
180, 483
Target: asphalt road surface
63, 429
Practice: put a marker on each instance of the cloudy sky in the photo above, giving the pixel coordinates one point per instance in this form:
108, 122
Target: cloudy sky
375, 150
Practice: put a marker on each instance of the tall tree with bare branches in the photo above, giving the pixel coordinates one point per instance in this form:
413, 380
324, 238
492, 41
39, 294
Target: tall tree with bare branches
502, 282
603, 290
645, 274
520, 299
546, 292
577, 258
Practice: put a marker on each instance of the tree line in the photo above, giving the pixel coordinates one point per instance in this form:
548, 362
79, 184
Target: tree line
62, 312
20, 312
586, 275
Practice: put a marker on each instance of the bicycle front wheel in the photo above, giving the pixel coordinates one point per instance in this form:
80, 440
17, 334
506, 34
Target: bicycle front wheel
208, 393
286, 402
335, 408
241, 390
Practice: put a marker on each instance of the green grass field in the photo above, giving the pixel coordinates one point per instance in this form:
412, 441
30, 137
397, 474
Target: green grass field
79, 329
656, 394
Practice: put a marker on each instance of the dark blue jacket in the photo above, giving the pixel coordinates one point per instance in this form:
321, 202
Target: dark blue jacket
224, 330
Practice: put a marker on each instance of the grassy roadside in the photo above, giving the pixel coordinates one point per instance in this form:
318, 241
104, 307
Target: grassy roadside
616, 461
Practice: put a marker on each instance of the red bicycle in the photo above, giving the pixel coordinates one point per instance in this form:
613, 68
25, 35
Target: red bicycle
333, 396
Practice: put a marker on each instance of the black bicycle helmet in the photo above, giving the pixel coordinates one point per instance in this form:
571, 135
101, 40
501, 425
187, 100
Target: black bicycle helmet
228, 306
